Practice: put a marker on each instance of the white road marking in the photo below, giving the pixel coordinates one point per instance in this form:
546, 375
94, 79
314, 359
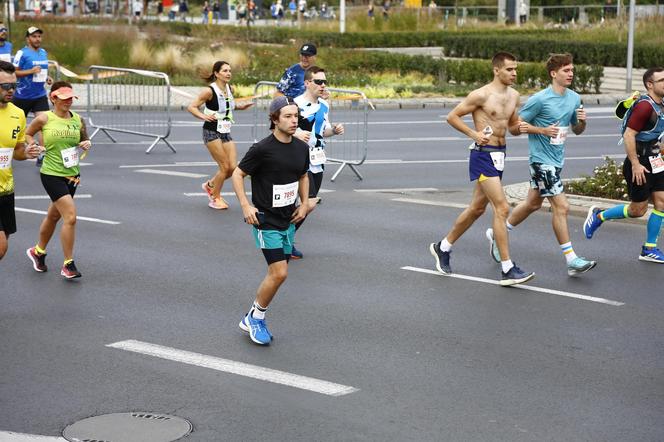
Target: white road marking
10, 436
46, 197
465, 160
431, 203
80, 218
234, 367
519, 286
370, 162
176, 164
404, 189
172, 173
381, 141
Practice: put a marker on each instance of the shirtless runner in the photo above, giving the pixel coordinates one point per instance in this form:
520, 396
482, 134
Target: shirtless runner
493, 108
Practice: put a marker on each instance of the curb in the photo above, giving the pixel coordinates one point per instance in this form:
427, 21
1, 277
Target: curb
578, 204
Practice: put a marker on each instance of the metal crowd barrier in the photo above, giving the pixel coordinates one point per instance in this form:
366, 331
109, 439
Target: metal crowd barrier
53, 71
130, 101
348, 107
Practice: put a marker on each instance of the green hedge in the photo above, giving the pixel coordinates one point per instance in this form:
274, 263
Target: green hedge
526, 45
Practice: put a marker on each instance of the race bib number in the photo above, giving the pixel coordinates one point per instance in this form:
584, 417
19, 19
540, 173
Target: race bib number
6, 57
69, 157
498, 160
40, 77
284, 194
224, 126
317, 156
561, 137
656, 163
6, 155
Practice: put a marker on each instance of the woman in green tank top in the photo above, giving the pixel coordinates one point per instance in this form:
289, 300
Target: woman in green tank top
65, 139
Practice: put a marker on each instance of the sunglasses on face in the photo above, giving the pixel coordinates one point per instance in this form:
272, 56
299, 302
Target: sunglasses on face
3, 29
7, 86
319, 82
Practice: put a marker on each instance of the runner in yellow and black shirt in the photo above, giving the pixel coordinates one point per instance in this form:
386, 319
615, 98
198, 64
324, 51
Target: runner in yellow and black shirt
12, 147
65, 138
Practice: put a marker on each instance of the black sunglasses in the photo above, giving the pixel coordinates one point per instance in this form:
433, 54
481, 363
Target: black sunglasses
7, 86
3, 29
319, 82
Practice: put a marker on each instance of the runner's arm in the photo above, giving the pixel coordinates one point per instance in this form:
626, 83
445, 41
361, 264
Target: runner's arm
23, 151
581, 120
35, 126
85, 142
638, 170
248, 211
470, 104
303, 191
194, 107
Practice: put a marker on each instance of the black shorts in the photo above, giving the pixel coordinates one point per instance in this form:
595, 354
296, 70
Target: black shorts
59, 186
654, 183
31, 105
7, 214
315, 181
211, 135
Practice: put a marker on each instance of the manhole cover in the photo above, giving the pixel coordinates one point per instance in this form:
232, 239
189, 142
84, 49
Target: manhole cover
128, 427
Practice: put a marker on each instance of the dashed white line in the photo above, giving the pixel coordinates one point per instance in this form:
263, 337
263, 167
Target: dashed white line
520, 286
10, 436
403, 189
80, 218
430, 203
172, 173
235, 367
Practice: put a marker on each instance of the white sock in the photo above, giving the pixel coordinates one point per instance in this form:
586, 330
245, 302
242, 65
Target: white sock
509, 226
445, 246
506, 265
257, 311
568, 252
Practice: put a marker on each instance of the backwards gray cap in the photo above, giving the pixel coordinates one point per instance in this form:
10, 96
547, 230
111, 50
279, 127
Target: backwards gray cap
280, 102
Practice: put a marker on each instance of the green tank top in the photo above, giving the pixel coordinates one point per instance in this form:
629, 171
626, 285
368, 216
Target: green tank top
61, 136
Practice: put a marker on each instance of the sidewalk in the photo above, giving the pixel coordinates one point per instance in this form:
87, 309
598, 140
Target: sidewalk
579, 204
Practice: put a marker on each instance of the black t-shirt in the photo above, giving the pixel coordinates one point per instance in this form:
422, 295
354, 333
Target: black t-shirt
274, 168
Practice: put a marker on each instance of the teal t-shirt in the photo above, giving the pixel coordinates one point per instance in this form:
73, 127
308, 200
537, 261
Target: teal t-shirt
543, 109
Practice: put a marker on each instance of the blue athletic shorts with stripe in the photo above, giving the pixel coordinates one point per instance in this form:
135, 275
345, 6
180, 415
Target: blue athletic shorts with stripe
275, 239
481, 165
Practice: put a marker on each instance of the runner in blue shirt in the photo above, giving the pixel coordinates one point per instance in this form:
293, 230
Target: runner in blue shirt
292, 82
5, 46
547, 117
32, 72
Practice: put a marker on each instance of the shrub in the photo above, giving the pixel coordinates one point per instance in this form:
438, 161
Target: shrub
607, 182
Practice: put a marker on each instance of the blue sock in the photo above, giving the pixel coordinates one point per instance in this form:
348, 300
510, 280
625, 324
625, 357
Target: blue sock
615, 212
654, 225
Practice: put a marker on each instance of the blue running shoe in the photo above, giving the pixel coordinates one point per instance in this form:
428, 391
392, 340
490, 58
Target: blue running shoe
244, 325
515, 276
296, 254
256, 328
580, 265
493, 247
592, 222
442, 258
651, 254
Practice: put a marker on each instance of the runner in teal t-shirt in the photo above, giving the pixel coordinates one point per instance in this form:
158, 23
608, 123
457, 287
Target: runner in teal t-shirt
547, 118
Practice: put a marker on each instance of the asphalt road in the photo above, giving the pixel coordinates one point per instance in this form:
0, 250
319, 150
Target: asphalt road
429, 357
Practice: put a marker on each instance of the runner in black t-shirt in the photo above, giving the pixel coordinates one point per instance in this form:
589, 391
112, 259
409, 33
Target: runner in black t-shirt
278, 167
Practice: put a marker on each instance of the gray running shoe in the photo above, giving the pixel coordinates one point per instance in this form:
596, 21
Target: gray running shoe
493, 247
580, 265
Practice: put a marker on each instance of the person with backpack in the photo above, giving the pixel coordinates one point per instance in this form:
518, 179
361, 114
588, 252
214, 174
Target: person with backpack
643, 137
